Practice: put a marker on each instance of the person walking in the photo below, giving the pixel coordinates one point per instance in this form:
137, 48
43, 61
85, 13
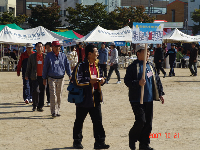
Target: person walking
55, 66
172, 59
193, 60
114, 63
103, 58
153, 90
48, 47
73, 57
158, 60
88, 75
22, 64
34, 71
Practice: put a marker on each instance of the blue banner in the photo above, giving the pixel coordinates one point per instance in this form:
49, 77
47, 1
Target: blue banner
147, 33
120, 43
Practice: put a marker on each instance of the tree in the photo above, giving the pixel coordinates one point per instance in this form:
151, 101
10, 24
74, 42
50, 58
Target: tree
196, 18
8, 18
121, 17
85, 18
47, 17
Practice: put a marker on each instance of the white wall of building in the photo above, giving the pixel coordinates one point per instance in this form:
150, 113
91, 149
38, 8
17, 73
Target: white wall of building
191, 7
112, 4
6, 4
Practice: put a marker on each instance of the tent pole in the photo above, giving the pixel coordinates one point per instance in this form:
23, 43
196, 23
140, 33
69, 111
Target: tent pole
3, 49
18, 53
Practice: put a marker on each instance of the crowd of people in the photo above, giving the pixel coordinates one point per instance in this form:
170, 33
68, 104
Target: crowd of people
87, 68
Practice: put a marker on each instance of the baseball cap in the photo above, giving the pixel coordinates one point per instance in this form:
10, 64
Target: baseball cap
55, 43
139, 47
173, 44
29, 45
113, 44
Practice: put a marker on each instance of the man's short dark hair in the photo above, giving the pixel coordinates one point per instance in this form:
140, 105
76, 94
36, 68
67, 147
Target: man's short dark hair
89, 48
48, 43
38, 43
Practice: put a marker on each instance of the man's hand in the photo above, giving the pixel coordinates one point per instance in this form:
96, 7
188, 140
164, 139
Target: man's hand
142, 82
26, 78
18, 74
44, 81
162, 99
159, 60
104, 63
111, 64
102, 80
94, 80
195, 60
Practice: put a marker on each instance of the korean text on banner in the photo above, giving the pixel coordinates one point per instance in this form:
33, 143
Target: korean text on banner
147, 33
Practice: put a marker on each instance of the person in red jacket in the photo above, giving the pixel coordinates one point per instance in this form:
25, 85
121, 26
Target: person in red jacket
80, 52
27, 89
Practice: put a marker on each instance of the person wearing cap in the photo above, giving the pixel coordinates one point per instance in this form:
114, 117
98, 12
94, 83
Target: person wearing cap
172, 59
80, 52
55, 66
88, 75
22, 64
193, 60
48, 47
103, 58
153, 90
158, 60
114, 63
34, 71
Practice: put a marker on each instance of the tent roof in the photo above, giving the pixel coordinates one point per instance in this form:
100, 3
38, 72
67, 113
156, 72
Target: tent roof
34, 35
12, 26
178, 36
70, 34
100, 34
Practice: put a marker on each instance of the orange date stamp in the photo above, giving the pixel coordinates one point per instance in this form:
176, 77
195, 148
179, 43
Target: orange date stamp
167, 135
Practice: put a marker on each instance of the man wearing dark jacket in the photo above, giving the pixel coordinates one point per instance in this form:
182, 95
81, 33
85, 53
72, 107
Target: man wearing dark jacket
158, 60
34, 71
153, 90
88, 75
172, 59
193, 60
22, 64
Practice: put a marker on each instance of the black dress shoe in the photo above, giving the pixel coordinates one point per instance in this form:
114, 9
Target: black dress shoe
33, 109
58, 115
101, 146
77, 145
53, 115
40, 109
145, 147
164, 75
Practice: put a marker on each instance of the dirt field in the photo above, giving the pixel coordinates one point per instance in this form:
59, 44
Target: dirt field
177, 121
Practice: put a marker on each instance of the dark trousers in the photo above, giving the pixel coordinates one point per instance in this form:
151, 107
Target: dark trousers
191, 66
172, 65
143, 124
104, 68
48, 93
38, 96
159, 68
183, 62
114, 67
27, 88
96, 117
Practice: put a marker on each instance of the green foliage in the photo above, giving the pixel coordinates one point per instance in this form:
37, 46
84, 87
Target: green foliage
196, 18
8, 18
47, 17
86, 18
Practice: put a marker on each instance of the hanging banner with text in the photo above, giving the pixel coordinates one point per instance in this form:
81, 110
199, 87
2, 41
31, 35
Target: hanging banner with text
147, 33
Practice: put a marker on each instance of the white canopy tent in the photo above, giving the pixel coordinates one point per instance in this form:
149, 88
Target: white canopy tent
34, 35
178, 36
100, 34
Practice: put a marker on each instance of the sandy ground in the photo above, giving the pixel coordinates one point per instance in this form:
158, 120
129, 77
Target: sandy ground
22, 129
